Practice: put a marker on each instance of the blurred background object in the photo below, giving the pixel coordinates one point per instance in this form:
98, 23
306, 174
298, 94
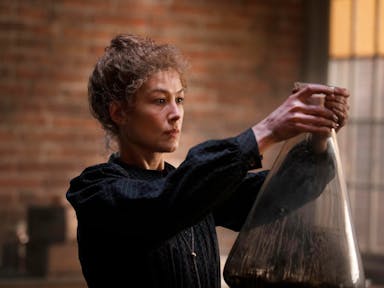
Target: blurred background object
245, 56
356, 61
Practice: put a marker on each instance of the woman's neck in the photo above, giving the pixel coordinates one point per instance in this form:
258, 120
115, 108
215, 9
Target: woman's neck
150, 161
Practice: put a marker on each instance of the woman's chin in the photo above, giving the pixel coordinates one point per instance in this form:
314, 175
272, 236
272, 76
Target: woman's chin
172, 148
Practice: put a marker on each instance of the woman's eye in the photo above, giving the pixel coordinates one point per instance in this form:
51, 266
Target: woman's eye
160, 101
180, 100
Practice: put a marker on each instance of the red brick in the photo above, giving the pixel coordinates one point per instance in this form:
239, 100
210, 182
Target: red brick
47, 136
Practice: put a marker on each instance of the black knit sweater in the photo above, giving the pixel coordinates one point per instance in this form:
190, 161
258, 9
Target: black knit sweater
136, 227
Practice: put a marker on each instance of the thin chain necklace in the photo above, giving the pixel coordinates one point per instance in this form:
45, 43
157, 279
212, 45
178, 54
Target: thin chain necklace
193, 253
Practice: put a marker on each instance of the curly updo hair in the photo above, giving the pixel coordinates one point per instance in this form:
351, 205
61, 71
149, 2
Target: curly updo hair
126, 64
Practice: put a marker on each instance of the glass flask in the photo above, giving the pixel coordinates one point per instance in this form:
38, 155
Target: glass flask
299, 232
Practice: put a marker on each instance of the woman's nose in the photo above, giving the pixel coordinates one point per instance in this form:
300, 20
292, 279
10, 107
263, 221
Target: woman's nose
175, 112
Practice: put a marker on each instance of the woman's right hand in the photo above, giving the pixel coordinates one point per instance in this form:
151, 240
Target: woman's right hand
297, 115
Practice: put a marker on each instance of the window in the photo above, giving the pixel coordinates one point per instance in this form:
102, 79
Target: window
357, 62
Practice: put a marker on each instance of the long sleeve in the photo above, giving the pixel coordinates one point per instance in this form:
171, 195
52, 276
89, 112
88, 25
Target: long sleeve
159, 207
300, 179
233, 212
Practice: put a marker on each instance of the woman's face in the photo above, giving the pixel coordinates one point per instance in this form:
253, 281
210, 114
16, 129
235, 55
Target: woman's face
154, 124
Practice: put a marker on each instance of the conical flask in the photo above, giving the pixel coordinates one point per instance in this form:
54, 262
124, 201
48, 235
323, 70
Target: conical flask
299, 233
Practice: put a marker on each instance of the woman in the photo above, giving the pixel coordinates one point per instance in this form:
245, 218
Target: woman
144, 223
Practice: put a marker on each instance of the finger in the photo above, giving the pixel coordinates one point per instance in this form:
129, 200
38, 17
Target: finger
342, 121
295, 89
311, 89
337, 106
307, 119
317, 111
340, 91
343, 117
320, 88
341, 110
303, 85
342, 113
340, 98
333, 90
302, 127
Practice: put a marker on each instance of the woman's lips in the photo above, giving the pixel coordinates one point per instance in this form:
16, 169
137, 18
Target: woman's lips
173, 132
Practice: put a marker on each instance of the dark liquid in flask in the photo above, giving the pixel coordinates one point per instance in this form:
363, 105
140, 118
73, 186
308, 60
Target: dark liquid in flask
306, 268
311, 246
263, 283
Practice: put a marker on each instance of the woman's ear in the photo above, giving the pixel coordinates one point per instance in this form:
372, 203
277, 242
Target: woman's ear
117, 112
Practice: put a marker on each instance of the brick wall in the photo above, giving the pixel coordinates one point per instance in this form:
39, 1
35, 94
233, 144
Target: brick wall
244, 57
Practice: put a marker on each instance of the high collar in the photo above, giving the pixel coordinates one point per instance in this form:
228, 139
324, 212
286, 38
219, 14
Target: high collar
115, 158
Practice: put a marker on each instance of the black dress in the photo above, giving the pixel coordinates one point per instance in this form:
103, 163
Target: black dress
149, 228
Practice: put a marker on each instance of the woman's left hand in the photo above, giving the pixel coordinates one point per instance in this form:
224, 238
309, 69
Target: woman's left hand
338, 103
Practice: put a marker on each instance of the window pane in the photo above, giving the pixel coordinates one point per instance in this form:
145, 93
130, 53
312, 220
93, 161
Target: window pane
365, 27
340, 33
361, 98
381, 27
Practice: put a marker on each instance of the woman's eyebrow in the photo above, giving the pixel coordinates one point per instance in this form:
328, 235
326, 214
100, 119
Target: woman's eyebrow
181, 91
165, 91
